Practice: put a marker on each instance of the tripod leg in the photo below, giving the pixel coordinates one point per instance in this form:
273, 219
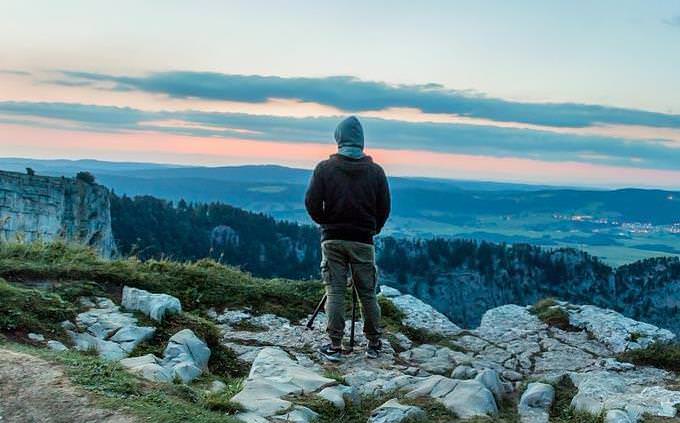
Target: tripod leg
354, 317
316, 311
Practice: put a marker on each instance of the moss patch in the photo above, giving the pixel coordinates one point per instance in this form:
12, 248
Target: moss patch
25, 310
563, 412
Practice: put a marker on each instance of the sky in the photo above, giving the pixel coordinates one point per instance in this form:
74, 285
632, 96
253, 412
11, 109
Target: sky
561, 92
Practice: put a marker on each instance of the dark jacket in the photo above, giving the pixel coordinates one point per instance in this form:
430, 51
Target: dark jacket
349, 198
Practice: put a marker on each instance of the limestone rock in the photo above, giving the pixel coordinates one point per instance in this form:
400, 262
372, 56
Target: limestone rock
186, 356
620, 333
394, 412
149, 367
434, 359
420, 315
107, 350
217, 386
470, 399
156, 306
130, 336
340, 395
273, 375
534, 405
297, 415
618, 416
56, 346
492, 382
463, 372
36, 337
44, 208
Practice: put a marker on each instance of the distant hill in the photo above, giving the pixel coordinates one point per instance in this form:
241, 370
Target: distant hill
607, 223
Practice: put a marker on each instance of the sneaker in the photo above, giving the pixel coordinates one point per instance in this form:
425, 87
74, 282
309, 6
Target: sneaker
373, 351
331, 353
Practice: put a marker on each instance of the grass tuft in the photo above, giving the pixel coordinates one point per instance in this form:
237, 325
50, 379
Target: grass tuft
659, 354
552, 315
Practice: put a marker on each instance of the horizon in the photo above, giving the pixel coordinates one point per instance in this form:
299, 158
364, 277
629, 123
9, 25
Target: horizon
569, 95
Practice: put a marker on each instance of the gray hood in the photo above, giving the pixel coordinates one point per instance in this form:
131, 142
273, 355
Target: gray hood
350, 138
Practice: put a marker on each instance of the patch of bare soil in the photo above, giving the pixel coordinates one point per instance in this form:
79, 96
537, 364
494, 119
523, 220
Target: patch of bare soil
34, 390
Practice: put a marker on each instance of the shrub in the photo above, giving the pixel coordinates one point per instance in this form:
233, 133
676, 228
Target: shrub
86, 177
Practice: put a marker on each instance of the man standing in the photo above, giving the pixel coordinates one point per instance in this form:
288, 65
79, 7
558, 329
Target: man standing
349, 197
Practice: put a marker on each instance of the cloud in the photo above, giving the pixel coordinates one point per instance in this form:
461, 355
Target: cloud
674, 21
350, 94
381, 133
14, 72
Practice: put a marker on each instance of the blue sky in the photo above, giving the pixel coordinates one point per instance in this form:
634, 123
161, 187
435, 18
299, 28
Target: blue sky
572, 91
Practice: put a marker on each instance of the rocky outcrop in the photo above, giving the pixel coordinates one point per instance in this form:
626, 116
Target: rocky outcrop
47, 208
106, 329
471, 373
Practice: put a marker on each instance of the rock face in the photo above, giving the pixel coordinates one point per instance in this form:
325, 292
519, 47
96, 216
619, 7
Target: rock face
420, 315
156, 306
48, 208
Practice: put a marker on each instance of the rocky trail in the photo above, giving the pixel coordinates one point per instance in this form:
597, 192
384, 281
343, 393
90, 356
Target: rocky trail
513, 358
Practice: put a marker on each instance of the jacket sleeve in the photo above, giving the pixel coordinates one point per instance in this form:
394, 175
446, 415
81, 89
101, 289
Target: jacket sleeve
384, 205
314, 198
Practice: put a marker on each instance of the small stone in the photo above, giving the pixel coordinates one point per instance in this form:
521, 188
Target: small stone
490, 379
463, 372
394, 412
298, 414
340, 395
68, 325
511, 375
217, 386
36, 337
56, 346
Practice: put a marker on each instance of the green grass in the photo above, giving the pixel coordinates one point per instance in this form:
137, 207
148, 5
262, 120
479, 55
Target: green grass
662, 355
563, 412
116, 389
24, 310
198, 285
552, 315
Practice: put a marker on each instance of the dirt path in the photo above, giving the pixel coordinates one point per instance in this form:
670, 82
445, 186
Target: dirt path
34, 390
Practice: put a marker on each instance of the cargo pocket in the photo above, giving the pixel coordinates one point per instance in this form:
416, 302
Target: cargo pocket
325, 273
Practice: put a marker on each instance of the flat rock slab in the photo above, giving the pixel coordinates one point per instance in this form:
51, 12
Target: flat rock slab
273, 375
615, 330
420, 315
470, 399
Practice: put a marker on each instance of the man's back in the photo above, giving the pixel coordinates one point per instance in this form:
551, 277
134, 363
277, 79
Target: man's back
349, 198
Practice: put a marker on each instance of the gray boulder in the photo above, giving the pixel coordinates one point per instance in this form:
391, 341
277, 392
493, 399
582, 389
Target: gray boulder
186, 356
470, 399
618, 416
36, 337
130, 336
156, 306
463, 372
534, 406
490, 379
340, 395
149, 367
394, 412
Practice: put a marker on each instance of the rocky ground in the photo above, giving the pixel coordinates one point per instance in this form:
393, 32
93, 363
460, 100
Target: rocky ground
428, 363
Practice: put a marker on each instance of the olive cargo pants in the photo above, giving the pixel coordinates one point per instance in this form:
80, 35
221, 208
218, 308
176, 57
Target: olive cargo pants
338, 259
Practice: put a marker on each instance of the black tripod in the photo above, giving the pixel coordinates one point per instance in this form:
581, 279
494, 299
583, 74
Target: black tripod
321, 304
